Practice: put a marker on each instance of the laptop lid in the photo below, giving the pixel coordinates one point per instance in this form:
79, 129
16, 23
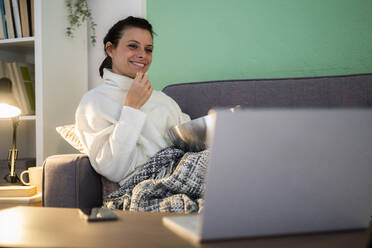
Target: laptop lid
278, 171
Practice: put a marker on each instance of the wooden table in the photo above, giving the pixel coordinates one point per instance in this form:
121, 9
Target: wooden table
63, 227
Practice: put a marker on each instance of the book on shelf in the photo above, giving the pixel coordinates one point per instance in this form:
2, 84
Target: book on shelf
4, 73
23, 9
31, 15
1, 29
3, 33
16, 18
15, 90
9, 19
17, 191
25, 79
3, 70
22, 77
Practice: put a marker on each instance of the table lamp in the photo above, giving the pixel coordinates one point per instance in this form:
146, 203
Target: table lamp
9, 110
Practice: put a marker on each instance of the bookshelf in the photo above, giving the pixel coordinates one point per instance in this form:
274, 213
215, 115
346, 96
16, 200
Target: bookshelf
61, 78
19, 50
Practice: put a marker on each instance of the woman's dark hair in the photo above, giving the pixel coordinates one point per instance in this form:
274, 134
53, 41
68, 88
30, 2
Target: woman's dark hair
116, 32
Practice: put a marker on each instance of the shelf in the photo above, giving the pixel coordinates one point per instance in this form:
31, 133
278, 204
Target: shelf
23, 118
27, 118
18, 42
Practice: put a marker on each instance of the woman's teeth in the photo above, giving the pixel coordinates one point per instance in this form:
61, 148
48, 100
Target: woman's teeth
138, 64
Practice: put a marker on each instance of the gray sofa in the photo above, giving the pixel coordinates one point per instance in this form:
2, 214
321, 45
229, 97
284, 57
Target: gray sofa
70, 181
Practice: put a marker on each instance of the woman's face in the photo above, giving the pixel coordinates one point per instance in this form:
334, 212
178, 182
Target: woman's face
133, 53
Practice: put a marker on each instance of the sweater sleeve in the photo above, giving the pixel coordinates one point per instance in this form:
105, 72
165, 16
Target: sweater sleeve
110, 143
181, 117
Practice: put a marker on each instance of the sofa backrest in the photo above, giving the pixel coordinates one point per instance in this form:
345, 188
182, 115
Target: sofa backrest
197, 98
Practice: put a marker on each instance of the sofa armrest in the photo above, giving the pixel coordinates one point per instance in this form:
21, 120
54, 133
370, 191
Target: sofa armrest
70, 181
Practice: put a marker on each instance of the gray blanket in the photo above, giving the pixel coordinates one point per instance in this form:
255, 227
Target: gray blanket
171, 181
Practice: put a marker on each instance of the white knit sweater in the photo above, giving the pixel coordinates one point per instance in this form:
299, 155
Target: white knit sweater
117, 138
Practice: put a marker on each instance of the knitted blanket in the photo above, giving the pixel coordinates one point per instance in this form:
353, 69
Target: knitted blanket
171, 181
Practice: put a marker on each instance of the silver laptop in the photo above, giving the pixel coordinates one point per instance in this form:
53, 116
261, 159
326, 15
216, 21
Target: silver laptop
277, 171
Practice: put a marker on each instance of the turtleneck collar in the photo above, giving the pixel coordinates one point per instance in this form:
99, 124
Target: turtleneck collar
121, 81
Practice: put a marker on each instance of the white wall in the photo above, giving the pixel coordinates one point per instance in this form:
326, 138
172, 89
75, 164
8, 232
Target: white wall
106, 13
61, 76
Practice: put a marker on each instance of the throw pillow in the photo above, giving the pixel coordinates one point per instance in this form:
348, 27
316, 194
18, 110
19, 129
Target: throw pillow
68, 133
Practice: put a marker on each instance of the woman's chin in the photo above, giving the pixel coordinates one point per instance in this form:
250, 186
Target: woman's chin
133, 73
140, 70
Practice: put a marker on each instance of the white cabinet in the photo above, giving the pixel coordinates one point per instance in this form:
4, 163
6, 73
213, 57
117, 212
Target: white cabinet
61, 74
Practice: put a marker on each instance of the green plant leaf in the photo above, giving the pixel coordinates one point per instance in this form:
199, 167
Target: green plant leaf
78, 13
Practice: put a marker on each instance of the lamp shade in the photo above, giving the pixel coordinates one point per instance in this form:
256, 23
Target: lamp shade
8, 111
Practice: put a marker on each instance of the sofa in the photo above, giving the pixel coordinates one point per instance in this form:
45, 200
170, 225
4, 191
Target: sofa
70, 181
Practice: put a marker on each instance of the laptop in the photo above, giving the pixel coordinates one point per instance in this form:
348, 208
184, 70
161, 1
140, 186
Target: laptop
280, 171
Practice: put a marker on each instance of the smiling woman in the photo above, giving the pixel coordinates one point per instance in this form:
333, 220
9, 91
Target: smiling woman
123, 122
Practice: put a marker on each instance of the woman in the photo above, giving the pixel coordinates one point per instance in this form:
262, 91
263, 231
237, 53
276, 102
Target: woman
123, 122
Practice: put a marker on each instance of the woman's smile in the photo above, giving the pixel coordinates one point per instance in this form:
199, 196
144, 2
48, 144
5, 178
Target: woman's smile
137, 64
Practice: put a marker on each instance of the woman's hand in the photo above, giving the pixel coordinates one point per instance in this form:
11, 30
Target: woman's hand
139, 92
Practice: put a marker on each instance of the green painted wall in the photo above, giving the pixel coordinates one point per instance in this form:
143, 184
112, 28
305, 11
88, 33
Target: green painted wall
199, 40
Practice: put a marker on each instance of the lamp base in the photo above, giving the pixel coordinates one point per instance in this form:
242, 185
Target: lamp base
10, 184
12, 180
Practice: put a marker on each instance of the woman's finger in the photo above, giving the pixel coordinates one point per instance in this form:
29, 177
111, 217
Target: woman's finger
139, 76
148, 84
145, 78
150, 90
